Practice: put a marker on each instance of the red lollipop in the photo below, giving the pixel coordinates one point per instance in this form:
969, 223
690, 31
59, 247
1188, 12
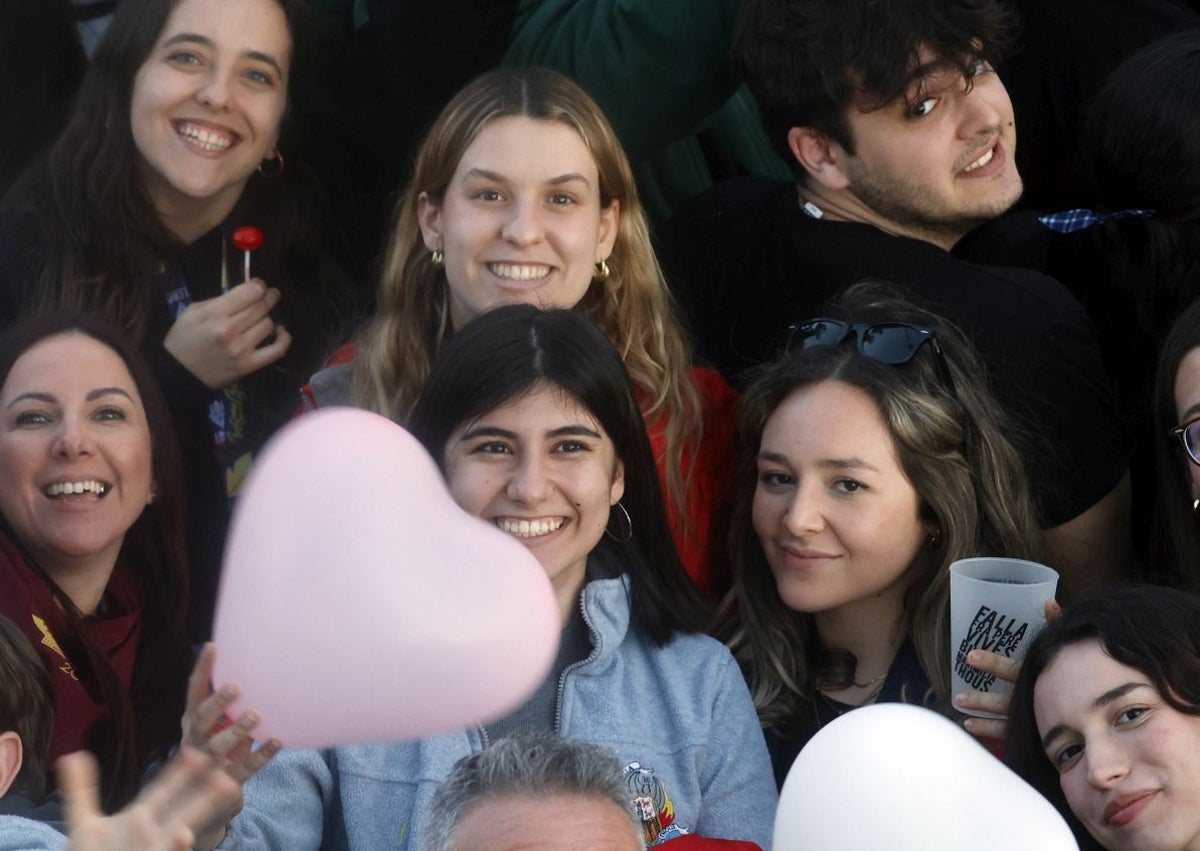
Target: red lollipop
247, 239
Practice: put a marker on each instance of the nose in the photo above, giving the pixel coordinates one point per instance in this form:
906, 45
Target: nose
984, 108
1107, 763
214, 89
72, 440
804, 515
524, 225
529, 483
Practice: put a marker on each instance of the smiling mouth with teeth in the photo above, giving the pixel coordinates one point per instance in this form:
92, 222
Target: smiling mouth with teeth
209, 140
982, 161
530, 528
519, 271
59, 490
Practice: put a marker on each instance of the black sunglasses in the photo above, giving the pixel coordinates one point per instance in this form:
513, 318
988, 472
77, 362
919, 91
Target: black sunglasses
892, 343
1189, 436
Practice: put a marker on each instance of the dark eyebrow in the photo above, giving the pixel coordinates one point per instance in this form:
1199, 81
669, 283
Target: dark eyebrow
1099, 703
486, 431
106, 391
36, 396
578, 430
774, 457
493, 431
196, 38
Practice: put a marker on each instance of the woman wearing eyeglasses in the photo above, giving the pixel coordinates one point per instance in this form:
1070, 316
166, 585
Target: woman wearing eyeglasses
1176, 544
873, 457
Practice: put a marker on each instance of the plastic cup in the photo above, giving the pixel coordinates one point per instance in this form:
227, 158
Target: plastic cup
996, 604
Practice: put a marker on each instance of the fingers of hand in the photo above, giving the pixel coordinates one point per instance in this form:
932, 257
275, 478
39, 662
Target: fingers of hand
1052, 610
271, 352
986, 728
982, 701
79, 779
234, 741
252, 760
201, 720
993, 663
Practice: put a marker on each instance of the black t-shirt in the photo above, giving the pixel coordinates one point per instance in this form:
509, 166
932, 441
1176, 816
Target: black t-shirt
746, 261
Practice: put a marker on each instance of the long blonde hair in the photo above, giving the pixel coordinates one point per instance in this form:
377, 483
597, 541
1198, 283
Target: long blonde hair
632, 305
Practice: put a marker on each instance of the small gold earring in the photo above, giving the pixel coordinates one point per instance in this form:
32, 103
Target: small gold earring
437, 258
602, 270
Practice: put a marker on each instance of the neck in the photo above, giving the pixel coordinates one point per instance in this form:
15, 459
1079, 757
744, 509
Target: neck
872, 629
83, 580
842, 205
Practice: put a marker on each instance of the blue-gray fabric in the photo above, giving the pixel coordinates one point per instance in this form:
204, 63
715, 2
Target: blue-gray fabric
682, 710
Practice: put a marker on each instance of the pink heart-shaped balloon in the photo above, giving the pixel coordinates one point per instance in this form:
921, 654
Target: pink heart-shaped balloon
359, 603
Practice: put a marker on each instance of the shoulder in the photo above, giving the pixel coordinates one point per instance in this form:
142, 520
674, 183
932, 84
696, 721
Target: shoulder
21, 834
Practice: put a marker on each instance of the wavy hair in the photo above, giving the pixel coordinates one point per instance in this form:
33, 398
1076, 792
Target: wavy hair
953, 444
502, 355
143, 720
1152, 629
632, 306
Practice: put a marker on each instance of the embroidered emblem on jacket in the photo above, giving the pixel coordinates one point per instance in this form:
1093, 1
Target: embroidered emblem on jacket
652, 805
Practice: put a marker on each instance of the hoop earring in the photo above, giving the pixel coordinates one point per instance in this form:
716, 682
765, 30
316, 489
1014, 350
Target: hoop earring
436, 258
277, 171
628, 536
602, 271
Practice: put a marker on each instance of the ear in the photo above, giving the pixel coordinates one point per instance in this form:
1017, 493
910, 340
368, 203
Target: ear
429, 215
618, 484
11, 759
822, 158
610, 220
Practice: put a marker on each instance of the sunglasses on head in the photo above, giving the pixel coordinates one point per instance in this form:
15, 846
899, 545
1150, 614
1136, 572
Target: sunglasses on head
892, 343
1189, 436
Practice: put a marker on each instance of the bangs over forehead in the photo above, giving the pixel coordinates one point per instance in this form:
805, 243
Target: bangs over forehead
904, 43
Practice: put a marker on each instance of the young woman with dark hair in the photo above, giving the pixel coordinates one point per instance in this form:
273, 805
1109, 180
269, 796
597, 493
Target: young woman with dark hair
534, 422
1105, 719
1176, 541
181, 134
873, 457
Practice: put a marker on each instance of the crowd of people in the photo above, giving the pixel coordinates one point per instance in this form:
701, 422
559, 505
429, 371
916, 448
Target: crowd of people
730, 311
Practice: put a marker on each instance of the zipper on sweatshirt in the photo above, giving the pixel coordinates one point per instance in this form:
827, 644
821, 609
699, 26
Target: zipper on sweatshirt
562, 679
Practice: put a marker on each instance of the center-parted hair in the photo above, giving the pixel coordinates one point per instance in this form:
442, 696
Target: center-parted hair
527, 765
806, 61
954, 445
632, 306
508, 352
1150, 628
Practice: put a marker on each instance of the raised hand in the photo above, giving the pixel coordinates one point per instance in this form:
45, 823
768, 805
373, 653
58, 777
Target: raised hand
189, 792
206, 728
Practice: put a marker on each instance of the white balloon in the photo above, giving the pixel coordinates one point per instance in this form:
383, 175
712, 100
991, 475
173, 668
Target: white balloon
902, 778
